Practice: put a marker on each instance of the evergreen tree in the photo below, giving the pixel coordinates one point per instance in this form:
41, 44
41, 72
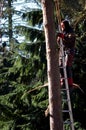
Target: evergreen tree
23, 68
55, 108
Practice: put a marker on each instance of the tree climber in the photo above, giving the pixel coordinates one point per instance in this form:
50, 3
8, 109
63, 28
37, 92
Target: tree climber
68, 38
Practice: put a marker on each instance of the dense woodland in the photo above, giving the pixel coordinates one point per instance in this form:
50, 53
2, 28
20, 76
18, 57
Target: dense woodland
23, 67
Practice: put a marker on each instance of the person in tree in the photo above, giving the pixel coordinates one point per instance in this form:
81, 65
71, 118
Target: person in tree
68, 38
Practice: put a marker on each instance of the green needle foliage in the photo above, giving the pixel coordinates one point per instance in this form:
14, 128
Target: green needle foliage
23, 70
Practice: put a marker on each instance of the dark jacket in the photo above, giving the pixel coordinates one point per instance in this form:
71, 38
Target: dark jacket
69, 40
69, 36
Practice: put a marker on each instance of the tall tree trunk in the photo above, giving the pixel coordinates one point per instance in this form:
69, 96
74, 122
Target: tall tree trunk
1, 13
55, 108
10, 21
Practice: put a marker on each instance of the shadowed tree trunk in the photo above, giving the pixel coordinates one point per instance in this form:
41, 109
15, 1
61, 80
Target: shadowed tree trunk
10, 20
55, 108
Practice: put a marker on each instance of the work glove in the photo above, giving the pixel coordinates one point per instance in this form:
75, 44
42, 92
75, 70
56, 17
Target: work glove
60, 35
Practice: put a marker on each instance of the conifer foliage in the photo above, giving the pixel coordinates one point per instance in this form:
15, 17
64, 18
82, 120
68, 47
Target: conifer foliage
23, 66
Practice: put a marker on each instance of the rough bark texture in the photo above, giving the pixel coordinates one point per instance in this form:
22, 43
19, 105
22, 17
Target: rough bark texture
55, 108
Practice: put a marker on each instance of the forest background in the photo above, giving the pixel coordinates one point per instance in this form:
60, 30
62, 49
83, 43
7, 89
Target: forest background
23, 65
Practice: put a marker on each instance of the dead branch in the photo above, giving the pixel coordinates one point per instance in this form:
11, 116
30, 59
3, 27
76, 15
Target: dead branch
42, 86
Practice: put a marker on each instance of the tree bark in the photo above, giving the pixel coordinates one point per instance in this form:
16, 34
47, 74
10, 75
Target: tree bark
55, 107
10, 21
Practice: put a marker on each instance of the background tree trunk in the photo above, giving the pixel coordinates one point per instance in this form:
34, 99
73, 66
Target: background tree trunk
53, 66
10, 21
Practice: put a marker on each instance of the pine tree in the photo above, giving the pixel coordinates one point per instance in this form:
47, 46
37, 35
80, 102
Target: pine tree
52, 67
23, 68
